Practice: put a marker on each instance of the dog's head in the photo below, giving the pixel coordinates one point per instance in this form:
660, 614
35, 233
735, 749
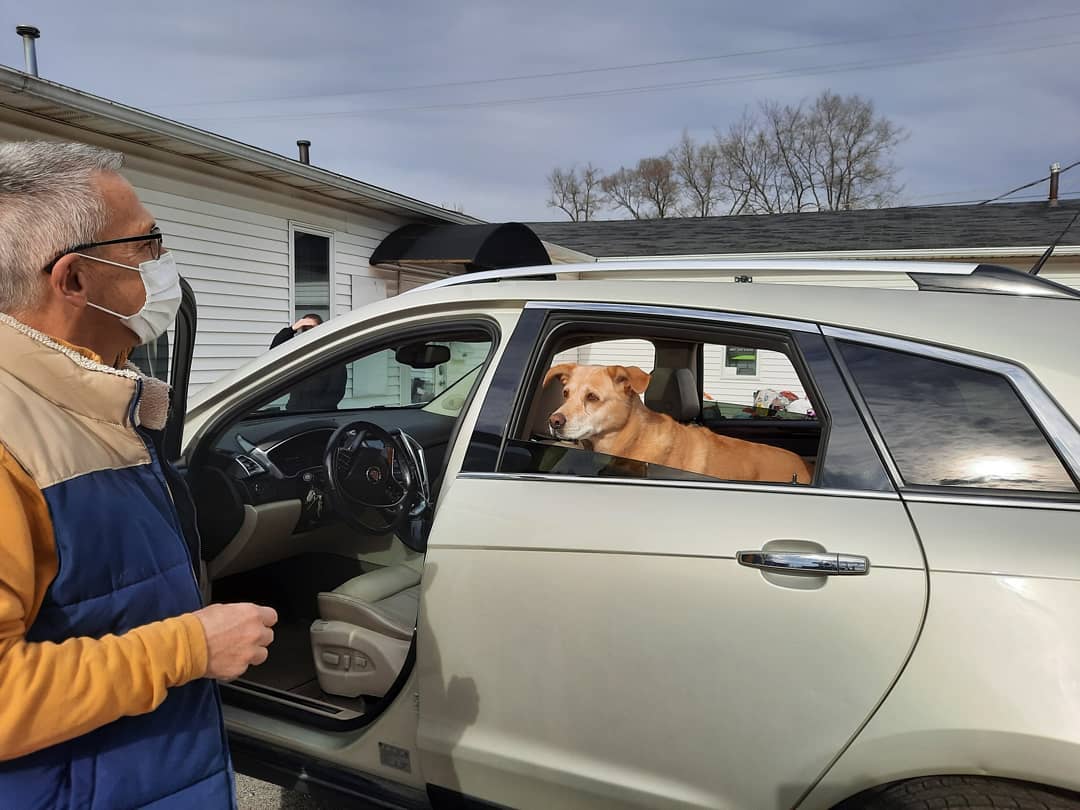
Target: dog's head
596, 399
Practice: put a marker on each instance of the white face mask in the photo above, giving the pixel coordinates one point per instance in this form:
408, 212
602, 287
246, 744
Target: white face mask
162, 283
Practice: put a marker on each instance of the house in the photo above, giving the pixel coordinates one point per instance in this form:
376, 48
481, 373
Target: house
1010, 234
262, 238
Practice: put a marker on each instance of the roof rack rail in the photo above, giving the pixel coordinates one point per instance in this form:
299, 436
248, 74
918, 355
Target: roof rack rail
927, 276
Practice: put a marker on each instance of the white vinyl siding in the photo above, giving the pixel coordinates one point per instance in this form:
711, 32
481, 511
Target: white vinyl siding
629, 352
238, 263
774, 370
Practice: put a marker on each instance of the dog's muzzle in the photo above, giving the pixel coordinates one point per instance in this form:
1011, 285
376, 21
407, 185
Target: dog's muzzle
556, 422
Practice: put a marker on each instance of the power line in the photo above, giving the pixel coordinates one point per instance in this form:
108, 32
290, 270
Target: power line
1028, 185
636, 65
944, 56
1071, 195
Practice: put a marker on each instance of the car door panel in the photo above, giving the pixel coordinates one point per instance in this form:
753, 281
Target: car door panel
1020, 541
616, 648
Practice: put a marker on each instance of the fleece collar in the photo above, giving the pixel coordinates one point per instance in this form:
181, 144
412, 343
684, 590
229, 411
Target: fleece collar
75, 379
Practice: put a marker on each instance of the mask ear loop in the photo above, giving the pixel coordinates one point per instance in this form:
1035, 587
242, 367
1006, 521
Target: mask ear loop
126, 267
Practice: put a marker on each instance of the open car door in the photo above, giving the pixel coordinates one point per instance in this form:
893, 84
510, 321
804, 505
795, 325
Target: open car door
169, 358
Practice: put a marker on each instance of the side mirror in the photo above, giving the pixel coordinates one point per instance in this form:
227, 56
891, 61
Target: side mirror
422, 355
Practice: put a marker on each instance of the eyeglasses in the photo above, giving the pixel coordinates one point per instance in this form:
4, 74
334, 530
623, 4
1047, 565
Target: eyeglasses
152, 239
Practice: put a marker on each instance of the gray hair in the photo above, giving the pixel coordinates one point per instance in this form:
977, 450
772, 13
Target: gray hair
48, 204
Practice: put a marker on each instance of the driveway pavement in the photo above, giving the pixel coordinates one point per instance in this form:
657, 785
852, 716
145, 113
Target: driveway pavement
252, 794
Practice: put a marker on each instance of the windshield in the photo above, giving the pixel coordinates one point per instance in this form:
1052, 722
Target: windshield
379, 380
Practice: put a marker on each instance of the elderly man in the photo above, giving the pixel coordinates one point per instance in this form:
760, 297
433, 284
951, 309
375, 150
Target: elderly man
107, 658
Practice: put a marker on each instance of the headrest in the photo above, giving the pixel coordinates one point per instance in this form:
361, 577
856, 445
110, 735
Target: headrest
674, 391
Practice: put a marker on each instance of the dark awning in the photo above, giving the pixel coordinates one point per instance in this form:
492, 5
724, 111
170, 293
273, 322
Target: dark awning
472, 247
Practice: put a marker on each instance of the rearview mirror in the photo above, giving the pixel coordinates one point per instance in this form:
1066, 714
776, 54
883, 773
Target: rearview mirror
422, 355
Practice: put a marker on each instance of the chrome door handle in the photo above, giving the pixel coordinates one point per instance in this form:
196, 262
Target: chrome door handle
802, 562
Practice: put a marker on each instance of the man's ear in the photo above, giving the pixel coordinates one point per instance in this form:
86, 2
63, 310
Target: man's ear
67, 281
562, 371
631, 376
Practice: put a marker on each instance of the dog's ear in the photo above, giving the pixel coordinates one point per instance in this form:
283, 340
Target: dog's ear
631, 376
562, 371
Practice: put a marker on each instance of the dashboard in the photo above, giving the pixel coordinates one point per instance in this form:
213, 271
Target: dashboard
270, 458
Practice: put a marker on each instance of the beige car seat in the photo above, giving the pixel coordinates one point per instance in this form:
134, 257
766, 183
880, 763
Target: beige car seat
365, 629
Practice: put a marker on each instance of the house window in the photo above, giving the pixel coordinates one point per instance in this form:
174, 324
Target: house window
312, 271
742, 359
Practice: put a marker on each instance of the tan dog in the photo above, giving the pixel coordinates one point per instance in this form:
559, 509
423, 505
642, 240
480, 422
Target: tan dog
603, 408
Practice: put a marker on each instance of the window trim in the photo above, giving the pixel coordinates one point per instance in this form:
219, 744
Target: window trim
708, 315
735, 486
1058, 430
296, 227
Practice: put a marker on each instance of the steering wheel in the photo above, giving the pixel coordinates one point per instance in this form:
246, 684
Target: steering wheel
369, 470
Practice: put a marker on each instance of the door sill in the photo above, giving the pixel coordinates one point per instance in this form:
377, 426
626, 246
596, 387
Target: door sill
268, 700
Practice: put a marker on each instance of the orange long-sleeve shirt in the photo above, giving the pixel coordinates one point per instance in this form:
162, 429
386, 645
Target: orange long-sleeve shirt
55, 692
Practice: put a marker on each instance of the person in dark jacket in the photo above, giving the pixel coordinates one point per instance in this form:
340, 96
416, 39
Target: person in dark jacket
318, 392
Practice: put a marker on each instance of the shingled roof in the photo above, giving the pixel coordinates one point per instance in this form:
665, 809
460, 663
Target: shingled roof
953, 227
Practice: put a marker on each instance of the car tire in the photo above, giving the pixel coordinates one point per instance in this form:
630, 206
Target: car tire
969, 792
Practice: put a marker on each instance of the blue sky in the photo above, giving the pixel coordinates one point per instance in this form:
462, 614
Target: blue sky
410, 95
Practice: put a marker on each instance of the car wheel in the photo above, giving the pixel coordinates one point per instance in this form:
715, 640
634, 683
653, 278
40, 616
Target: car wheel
969, 792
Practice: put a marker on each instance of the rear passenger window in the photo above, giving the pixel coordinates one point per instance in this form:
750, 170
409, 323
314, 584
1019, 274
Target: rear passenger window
953, 426
652, 400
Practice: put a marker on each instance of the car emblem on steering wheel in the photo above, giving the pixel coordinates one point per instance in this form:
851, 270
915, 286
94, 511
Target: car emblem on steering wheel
374, 475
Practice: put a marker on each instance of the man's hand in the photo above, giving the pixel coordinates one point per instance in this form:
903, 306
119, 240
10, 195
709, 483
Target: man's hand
304, 323
237, 636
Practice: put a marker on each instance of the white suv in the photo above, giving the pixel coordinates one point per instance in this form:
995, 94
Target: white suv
475, 614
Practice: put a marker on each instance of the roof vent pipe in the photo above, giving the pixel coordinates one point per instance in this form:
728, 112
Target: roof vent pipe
1055, 174
305, 153
29, 33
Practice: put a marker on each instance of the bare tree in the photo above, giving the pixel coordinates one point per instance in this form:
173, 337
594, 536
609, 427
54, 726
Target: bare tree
698, 168
659, 185
623, 189
831, 155
650, 190
852, 164
575, 191
748, 169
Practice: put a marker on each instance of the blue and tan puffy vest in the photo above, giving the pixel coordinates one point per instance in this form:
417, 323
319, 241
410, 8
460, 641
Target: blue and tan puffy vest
82, 431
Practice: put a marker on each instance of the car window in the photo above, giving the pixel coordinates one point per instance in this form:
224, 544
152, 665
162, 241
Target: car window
738, 382
452, 400
691, 376
379, 379
749, 382
950, 425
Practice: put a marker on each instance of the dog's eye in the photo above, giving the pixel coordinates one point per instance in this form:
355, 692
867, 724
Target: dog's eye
566, 393
592, 398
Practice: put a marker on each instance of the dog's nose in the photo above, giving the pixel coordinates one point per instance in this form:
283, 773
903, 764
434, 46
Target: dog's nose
556, 420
